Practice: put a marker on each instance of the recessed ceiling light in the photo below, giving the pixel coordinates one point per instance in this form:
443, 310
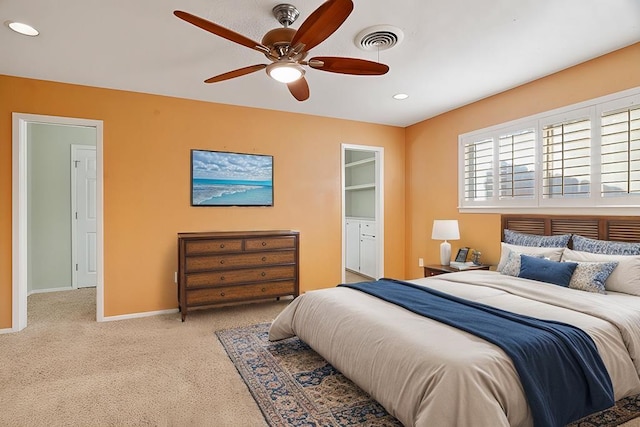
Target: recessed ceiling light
21, 28
400, 96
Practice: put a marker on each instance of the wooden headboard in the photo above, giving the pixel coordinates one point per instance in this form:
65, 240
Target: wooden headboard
617, 228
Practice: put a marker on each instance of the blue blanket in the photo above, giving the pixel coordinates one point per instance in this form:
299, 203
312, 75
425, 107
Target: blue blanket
562, 374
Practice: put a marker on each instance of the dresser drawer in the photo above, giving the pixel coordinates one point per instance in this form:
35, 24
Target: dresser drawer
221, 278
269, 243
239, 293
221, 262
213, 246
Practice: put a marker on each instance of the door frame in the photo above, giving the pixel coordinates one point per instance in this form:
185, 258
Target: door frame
20, 211
379, 203
74, 208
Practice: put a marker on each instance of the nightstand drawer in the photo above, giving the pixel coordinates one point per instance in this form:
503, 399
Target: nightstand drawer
436, 270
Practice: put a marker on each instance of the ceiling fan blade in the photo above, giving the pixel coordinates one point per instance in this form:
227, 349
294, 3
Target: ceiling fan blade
323, 22
220, 31
236, 73
299, 89
360, 67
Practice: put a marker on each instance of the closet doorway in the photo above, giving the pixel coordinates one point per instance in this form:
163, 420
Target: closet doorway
362, 213
24, 128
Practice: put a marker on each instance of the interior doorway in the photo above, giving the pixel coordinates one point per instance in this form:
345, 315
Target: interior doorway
362, 212
23, 208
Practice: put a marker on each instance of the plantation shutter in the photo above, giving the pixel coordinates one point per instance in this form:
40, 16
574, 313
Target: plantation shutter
478, 170
517, 165
566, 159
620, 152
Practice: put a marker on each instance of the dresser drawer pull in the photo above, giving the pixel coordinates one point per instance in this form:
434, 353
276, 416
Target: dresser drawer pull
264, 258
221, 294
263, 274
221, 278
263, 289
264, 243
221, 245
221, 261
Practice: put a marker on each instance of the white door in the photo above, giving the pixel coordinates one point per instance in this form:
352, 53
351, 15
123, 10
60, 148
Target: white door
83, 211
368, 255
353, 245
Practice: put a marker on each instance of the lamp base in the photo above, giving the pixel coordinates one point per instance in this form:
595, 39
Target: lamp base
445, 253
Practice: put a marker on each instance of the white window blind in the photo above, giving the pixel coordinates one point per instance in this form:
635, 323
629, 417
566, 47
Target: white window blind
566, 159
620, 152
584, 156
517, 164
478, 170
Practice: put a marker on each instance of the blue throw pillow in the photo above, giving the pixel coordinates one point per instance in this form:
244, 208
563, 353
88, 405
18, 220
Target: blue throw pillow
544, 270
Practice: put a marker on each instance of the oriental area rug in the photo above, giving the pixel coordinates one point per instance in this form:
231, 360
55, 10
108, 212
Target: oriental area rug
294, 386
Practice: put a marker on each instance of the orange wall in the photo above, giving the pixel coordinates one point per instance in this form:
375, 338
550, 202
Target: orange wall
147, 142
432, 154
146, 168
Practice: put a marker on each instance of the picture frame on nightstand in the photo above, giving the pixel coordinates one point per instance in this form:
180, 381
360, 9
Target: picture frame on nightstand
461, 256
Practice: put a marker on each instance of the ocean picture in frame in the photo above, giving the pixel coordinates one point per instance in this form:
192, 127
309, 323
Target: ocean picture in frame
220, 178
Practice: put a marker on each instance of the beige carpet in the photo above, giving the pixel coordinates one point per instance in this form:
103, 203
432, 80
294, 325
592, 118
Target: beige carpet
65, 369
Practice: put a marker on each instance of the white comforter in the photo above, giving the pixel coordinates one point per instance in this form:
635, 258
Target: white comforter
429, 374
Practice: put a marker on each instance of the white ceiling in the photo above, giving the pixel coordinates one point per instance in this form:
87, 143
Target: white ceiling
454, 51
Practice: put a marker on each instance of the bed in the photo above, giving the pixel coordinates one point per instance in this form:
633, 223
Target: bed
426, 373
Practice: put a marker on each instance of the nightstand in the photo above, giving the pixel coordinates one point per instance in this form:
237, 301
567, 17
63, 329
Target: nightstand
436, 269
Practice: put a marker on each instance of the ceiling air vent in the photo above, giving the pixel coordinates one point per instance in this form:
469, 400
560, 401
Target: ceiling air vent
379, 37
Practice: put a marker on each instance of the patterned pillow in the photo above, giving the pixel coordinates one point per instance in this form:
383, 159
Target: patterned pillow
512, 265
591, 276
584, 244
625, 277
552, 253
523, 239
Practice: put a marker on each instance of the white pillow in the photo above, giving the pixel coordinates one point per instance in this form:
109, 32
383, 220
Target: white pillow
554, 254
624, 278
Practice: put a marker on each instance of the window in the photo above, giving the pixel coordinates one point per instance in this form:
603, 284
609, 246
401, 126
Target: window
566, 159
585, 155
478, 170
517, 164
620, 152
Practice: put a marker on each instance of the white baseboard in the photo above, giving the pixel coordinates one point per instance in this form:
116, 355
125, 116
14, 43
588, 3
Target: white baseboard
6, 331
43, 291
139, 315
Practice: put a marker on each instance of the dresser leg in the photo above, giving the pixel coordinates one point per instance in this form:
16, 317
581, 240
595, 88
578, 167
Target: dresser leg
183, 315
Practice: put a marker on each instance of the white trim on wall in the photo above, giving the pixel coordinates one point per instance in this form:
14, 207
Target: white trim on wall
379, 204
20, 209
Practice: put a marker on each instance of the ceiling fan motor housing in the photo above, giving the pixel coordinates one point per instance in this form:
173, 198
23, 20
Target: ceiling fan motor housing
286, 14
278, 41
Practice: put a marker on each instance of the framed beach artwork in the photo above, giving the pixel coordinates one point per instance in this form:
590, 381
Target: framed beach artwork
220, 178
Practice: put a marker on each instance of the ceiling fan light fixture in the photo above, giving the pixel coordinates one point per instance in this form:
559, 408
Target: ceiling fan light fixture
285, 71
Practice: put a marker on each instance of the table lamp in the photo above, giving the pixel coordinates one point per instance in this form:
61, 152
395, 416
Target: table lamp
445, 229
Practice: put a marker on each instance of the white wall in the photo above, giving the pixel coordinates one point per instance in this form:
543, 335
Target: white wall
49, 202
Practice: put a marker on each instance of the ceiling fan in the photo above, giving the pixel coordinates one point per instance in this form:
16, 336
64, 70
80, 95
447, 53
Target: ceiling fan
287, 48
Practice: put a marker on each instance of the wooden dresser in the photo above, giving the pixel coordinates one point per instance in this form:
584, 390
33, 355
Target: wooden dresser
223, 267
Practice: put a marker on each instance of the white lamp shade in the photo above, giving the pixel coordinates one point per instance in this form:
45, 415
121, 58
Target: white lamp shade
445, 229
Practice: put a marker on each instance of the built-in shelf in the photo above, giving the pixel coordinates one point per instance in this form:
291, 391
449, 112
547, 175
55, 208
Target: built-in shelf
360, 162
360, 187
